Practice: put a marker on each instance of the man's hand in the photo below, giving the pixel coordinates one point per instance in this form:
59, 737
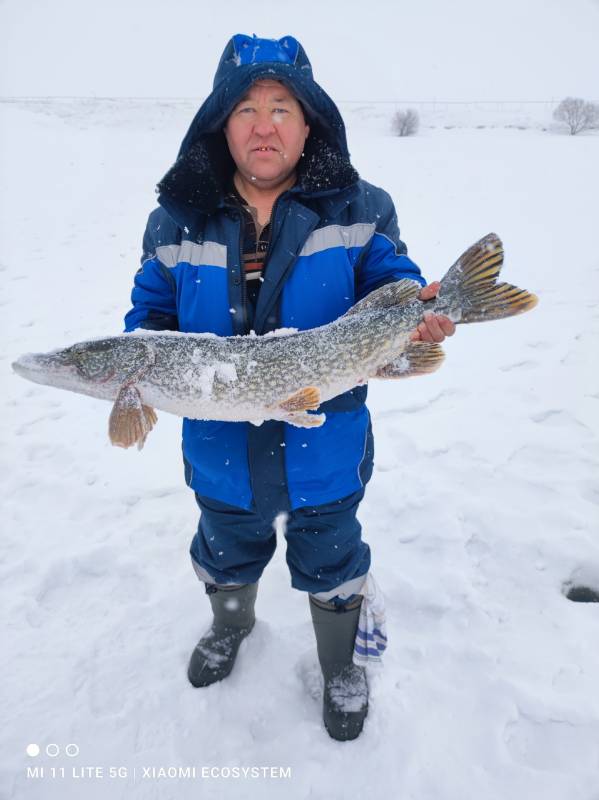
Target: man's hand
434, 327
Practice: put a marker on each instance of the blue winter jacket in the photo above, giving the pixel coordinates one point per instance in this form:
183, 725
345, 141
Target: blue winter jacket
334, 239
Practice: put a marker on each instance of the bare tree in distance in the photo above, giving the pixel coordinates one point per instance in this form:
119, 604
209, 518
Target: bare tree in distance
405, 123
577, 114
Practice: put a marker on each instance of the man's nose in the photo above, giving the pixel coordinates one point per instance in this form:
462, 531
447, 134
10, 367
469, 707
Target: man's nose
264, 124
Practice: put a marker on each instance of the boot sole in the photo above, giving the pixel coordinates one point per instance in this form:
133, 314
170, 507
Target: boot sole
347, 727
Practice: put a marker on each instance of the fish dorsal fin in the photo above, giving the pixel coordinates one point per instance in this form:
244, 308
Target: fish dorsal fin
391, 294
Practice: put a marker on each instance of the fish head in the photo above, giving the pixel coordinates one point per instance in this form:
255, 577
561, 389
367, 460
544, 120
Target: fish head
96, 367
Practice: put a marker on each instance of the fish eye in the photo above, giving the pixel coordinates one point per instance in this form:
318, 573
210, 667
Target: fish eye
75, 351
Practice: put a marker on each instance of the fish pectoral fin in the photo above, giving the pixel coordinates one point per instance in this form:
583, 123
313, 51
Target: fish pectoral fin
130, 421
301, 419
397, 293
419, 358
305, 399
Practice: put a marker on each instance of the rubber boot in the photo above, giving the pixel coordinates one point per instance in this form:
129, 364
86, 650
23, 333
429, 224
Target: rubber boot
215, 653
345, 699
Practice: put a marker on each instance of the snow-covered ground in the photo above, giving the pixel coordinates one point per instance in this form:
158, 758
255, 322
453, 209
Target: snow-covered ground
483, 506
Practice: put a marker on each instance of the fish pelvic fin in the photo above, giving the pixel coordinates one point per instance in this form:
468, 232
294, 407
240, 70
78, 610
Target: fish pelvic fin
305, 399
301, 419
130, 420
419, 358
470, 292
396, 293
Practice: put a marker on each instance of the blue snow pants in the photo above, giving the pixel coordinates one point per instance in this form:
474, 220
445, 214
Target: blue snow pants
325, 551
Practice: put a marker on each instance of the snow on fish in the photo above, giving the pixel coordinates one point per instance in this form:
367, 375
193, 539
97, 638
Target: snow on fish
284, 375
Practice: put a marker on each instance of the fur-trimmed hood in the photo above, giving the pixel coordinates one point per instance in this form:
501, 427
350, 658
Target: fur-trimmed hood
198, 181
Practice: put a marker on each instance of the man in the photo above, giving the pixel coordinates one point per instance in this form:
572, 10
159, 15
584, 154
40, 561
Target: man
264, 223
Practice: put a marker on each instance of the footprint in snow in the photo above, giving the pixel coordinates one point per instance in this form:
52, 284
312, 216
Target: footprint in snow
418, 407
50, 417
308, 670
519, 365
590, 493
552, 744
477, 548
92, 576
556, 416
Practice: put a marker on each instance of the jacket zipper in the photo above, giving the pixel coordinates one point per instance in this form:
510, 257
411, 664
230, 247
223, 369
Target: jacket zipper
242, 273
241, 261
272, 226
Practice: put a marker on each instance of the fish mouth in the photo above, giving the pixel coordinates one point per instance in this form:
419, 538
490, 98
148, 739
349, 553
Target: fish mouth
29, 367
61, 370
48, 369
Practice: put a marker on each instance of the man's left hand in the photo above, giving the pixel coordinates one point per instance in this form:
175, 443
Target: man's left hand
434, 327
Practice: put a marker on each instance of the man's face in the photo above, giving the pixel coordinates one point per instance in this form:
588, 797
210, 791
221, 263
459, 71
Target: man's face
266, 132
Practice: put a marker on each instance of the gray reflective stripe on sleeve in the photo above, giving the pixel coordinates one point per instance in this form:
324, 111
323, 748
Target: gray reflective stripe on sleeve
338, 236
344, 590
209, 253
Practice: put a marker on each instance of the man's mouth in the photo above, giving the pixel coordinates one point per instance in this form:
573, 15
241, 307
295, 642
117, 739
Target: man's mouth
265, 149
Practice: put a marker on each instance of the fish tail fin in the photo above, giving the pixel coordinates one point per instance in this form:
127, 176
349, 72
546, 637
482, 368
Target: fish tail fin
470, 292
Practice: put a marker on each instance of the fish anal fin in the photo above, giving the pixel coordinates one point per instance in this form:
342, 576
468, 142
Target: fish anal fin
305, 399
396, 293
301, 419
419, 358
130, 421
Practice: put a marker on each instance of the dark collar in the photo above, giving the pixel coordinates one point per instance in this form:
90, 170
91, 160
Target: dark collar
199, 179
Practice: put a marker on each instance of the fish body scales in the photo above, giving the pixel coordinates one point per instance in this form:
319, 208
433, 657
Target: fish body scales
246, 377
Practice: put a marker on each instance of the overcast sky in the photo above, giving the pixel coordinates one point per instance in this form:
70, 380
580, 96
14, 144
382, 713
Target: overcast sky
360, 49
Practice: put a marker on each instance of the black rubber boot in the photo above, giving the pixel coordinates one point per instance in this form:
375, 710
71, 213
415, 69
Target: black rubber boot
215, 653
345, 699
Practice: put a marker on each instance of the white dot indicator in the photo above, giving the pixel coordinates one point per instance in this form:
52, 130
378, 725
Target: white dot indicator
52, 750
33, 750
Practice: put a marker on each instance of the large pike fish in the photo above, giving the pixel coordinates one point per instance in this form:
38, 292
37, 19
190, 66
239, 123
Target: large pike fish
283, 375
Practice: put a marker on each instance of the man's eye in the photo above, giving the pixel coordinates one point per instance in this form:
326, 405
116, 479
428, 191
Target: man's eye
280, 110
245, 109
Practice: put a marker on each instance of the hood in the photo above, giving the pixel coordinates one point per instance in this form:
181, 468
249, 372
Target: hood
204, 166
